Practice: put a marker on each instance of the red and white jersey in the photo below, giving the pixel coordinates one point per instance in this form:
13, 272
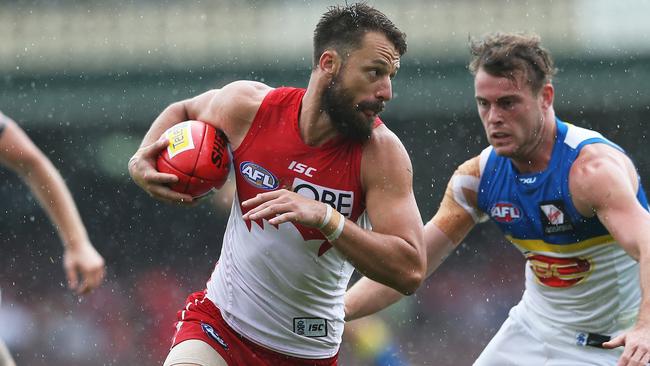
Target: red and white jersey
282, 286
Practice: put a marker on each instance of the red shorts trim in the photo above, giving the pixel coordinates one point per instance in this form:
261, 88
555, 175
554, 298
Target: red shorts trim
201, 319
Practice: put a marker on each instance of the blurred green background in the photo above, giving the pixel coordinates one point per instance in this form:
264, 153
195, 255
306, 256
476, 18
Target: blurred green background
86, 78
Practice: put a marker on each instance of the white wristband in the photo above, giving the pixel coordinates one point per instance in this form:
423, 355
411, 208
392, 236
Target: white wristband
339, 229
327, 218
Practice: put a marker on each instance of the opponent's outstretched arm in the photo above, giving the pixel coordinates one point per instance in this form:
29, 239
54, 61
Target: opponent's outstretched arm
18, 152
442, 234
367, 297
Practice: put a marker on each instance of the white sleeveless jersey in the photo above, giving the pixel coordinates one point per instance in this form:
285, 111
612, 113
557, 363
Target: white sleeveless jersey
576, 274
282, 286
273, 288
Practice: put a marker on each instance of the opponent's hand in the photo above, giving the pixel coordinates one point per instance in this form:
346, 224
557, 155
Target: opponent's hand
84, 267
285, 206
637, 346
142, 168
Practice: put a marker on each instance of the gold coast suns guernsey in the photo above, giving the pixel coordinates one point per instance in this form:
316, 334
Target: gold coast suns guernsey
282, 286
576, 274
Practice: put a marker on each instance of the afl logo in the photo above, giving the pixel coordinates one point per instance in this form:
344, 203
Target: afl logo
257, 176
505, 212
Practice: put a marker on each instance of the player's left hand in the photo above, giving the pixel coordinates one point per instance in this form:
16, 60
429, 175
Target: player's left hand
285, 206
142, 168
637, 346
84, 267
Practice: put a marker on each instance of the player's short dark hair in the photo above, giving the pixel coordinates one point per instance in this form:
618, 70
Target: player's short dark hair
505, 54
343, 27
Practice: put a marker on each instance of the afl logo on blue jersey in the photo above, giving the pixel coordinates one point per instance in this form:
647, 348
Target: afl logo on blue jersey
505, 212
258, 176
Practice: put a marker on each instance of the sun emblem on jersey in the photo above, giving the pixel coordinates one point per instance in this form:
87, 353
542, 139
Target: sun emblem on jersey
560, 272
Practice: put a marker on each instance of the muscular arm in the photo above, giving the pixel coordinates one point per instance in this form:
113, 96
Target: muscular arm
393, 252
18, 152
231, 109
441, 236
604, 181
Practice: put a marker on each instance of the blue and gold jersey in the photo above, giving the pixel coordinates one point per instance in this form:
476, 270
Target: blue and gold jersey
576, 273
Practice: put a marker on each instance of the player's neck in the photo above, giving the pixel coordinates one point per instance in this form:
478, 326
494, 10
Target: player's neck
314, 124
537, 156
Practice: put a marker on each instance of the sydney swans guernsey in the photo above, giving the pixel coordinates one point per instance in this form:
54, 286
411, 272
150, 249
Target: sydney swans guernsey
282, 286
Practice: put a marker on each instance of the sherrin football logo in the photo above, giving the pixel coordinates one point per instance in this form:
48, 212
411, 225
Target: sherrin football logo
258, 176
180, 139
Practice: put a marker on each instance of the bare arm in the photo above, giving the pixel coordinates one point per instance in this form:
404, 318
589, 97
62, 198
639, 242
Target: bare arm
392, 253
230, 109
441, 236
367, 297
18, 152
604, 181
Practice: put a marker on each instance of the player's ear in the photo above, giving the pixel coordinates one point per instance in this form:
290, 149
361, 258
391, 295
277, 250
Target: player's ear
330, 62
547, 95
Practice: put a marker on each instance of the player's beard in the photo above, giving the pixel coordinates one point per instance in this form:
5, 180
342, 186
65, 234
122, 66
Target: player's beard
346, 116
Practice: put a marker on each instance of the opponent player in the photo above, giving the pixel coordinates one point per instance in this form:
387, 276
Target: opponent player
84, 267
308, 163
570, 200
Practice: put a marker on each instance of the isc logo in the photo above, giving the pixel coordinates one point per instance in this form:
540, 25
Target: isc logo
258, 176
340, 200
505, 212
302, 168
310, 327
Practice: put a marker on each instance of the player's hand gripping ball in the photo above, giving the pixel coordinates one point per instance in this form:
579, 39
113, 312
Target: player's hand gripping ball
198, 155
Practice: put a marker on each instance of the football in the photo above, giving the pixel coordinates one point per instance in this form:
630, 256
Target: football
198, 155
